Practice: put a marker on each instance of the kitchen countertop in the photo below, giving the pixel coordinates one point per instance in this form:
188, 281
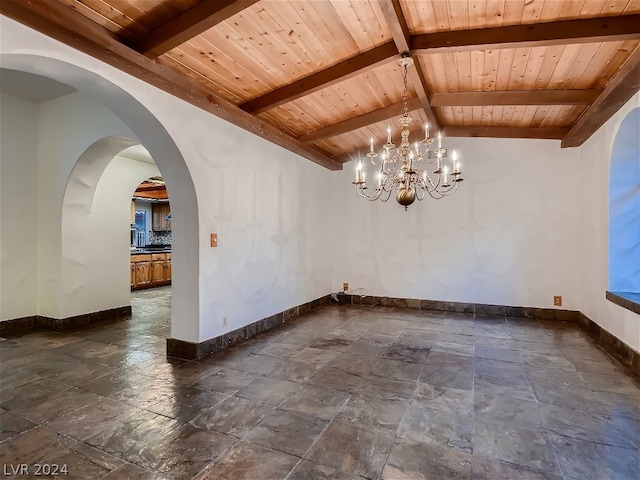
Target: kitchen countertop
142, 250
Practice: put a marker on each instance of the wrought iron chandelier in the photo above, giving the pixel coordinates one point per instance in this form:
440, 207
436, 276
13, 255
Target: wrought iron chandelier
403, 169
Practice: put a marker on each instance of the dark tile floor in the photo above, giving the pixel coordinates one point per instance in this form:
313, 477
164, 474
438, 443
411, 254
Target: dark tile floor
344, 393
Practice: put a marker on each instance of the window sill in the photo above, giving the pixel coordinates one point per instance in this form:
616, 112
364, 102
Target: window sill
628, 300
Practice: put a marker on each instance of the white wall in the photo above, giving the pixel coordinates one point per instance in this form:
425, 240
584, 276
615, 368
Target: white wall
18, 220
266, 204
595, 157
506, 237
96, 251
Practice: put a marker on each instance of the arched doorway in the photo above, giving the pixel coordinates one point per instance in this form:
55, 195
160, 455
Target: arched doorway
59, 294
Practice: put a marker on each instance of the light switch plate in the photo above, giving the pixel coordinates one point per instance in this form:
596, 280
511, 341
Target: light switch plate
214, 239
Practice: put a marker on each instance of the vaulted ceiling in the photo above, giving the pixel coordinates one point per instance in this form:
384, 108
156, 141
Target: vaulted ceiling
320, 77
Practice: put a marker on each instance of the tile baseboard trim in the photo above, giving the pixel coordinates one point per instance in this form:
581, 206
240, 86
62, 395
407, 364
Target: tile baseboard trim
611, 344
26, 324
460, 307
197, 351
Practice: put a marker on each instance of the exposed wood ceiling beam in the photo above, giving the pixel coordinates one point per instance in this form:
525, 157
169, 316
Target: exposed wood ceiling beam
72, 28
402, 38
489, 132
513, 97
360, 121
330, 76
554, 133
191, 23
591, 30
624, 85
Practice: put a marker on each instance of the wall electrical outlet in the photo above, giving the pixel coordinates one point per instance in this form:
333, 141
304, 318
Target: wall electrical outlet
214, 239
224, 321
345, 287
557, 300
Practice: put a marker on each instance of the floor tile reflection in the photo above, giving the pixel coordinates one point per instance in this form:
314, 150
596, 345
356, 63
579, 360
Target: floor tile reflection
346, 392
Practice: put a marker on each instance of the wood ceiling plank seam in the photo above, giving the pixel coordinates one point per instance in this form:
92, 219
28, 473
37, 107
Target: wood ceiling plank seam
505, 64
594, 69
364, 22
604, 59
496, 117
494, 13
491, 62
174, 7
232, 74
218, 79
234, 57
458, 13
70, 27
189, 24
424, 17
519, 67
146, 18
174, 63
336, 73
517, 116
378, 23
360, 121
565, 61
580, 64
532, 69
463, 62
513, 10
539, 116
291, 51
515, 97
428, 70
215, 77
564, 32
619, 57
549, 63
571, 10
551, 10
487, 115
441, 16
592, 8
127, 23
322, 32
254, 51
477, 70
527, 117
477, 14
314, 49
622, 86
451, 72
550, 118
101, 20
339, 32
507, 132
507, 115
531, 12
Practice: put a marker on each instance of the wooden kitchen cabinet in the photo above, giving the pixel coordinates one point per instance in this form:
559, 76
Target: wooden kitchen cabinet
150, 270
159, 213
141, 270
167, 268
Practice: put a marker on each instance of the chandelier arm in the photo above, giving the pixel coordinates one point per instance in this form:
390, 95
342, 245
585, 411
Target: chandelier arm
398, 167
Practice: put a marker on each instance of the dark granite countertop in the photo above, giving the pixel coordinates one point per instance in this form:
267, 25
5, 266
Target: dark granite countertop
145, 250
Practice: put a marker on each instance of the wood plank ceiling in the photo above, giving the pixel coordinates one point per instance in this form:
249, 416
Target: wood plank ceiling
320, 77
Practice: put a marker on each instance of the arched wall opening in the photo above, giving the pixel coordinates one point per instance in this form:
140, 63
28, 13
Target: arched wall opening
624, 207
151, 133
96, 226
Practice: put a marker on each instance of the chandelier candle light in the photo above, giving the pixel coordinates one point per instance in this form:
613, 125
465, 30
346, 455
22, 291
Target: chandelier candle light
404, 168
